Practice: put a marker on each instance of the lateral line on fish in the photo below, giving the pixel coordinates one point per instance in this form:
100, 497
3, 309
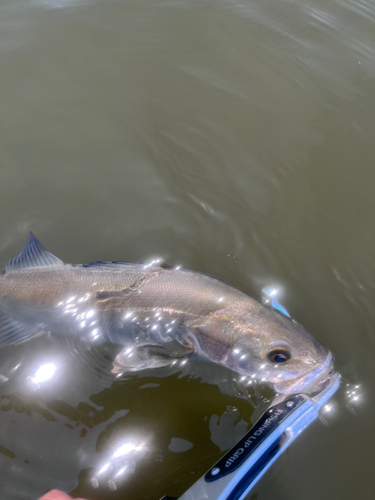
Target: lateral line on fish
104, 295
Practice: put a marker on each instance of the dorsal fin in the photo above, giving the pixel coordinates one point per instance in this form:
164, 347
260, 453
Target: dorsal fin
33, 255
106, 263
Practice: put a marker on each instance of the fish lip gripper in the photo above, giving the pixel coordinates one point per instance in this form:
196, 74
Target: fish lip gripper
237, 472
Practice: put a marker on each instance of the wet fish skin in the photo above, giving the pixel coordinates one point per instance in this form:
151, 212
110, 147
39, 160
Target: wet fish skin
158, 315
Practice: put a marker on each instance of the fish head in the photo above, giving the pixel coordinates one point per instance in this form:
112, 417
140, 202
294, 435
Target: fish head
274, 348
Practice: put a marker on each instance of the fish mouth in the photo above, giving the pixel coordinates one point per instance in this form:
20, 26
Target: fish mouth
313, 381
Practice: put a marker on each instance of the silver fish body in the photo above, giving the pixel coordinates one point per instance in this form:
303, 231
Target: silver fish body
158, 315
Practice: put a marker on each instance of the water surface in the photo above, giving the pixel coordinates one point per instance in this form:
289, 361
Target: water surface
235, 138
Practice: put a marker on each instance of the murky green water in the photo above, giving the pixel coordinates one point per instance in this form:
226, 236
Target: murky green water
234, 138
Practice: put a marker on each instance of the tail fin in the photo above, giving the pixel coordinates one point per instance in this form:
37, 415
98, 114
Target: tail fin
15, 332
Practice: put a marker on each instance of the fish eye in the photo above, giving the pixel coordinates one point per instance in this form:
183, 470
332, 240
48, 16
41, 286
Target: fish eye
279, 355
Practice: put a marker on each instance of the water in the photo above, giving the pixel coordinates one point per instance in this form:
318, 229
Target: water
233, 138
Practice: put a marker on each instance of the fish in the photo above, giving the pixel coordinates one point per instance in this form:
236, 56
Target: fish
157, 315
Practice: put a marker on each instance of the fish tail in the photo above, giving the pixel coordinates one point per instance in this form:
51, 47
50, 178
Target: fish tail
15, 332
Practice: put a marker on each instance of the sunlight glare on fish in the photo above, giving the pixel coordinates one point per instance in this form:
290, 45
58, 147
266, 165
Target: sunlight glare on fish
151, 263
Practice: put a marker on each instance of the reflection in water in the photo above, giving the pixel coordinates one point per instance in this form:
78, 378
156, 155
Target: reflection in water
354, 397
328, 408
122, 427
178, 445
58, 4
350, 397
227, 428
119, 464
45, 372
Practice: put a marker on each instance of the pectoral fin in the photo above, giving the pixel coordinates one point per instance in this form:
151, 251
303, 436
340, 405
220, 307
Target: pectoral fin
168, 350
140, 357
212, 338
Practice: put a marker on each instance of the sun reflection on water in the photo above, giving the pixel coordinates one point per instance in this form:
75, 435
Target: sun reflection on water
120, 463
45, 372
354, 397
